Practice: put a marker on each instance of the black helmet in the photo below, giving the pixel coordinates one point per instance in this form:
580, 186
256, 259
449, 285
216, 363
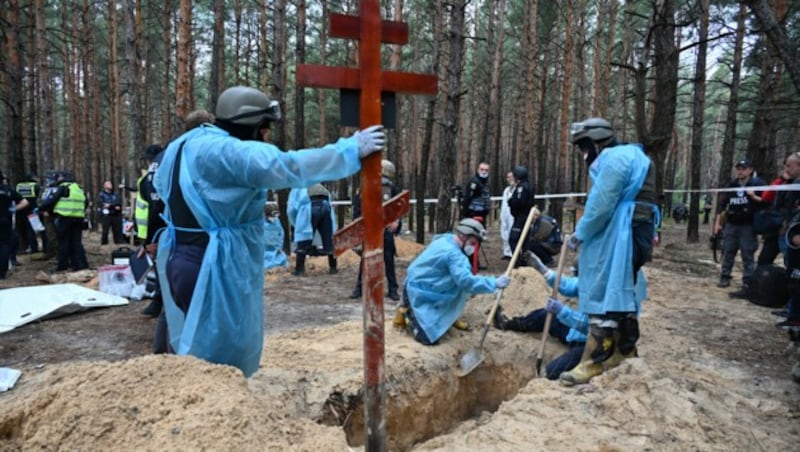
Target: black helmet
520, 172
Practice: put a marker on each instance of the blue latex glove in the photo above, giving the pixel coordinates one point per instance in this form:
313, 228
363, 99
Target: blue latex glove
553, 306
574, 242
36, 211
502, 281
370, 140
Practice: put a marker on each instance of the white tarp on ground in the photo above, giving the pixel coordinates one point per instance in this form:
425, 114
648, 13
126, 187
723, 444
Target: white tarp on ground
23, 305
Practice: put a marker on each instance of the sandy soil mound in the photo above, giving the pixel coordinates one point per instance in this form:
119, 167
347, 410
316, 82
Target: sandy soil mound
152, 403
711, 375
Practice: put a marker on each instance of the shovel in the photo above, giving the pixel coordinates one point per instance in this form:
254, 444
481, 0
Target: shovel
553, 294
473, 358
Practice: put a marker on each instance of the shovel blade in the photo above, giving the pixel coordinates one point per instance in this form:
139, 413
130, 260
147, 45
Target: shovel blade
470, 361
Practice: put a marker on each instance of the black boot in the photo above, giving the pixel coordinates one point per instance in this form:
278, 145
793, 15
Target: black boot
332, 265
356, 293
500, 320
300, 265
153, 309
744, 292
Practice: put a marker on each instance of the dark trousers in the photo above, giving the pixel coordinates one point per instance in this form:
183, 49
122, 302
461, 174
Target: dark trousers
182, 270
411, 322
27, 234
533, 322
413, 327
5, 245
50, 236
389, 252
115, 223
769, 250
322, 222
565, 362
70, 248
541, 252
739, 237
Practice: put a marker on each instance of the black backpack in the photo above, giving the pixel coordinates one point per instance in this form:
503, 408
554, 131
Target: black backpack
546, 232
768, 286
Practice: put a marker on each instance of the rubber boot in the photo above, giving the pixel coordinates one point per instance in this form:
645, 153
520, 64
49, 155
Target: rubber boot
400, 317
300, 265
332, 265
625, 338
599, 347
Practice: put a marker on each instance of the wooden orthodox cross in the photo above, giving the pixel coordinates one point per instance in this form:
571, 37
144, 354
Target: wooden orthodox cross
369, 30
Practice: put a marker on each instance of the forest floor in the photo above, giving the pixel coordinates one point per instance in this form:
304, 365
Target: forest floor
713, 374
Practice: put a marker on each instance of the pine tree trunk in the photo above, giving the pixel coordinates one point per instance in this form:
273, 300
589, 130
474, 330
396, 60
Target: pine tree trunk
562, 172
300, 95
217, 76
495, 116
184, 55
138, 126
698, 123
449, 150
14, 100
426, 148
45, 94
729, 138
166, 94
323, 45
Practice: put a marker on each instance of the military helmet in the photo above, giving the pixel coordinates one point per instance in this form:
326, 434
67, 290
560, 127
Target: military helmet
468, 226
387, 169
596, 129
247, 106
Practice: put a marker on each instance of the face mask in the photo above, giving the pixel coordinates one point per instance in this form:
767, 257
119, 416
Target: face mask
483, 174
469, 249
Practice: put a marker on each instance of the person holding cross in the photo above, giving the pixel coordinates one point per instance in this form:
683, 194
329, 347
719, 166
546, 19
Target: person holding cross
213, 180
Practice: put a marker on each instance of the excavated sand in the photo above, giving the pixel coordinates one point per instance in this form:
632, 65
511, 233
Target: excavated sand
679, 395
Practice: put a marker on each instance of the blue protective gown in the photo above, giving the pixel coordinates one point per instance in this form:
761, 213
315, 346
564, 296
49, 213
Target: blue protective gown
224, 182
577, 321
438, 283
605, 259
298, 209
273, 239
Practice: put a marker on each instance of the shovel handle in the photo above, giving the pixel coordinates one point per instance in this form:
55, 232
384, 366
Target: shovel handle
553, 294
533, 214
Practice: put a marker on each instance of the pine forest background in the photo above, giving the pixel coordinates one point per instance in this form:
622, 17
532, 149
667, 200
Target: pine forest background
86, 85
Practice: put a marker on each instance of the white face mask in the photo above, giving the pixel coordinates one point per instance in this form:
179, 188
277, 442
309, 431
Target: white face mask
469, 249
483, 174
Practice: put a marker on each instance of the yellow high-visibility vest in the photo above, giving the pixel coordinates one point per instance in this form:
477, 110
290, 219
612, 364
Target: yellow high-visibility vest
73, 205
